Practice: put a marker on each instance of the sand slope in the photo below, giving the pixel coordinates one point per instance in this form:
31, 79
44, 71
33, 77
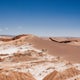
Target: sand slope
69, 52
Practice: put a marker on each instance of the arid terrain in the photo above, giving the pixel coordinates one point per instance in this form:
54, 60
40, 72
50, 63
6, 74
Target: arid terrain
29, 57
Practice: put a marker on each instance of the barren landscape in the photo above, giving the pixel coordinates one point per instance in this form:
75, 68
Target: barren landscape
29, 57
39, 39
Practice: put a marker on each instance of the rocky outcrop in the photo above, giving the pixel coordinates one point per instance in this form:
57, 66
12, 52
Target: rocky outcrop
24, 56
14, 75
19, 36
68, 73
64, 41
6, 39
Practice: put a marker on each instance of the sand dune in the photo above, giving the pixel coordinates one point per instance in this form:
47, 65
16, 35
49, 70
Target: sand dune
57, 49
29, 57
69, 52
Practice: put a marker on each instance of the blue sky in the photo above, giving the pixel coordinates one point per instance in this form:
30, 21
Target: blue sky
40, 17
